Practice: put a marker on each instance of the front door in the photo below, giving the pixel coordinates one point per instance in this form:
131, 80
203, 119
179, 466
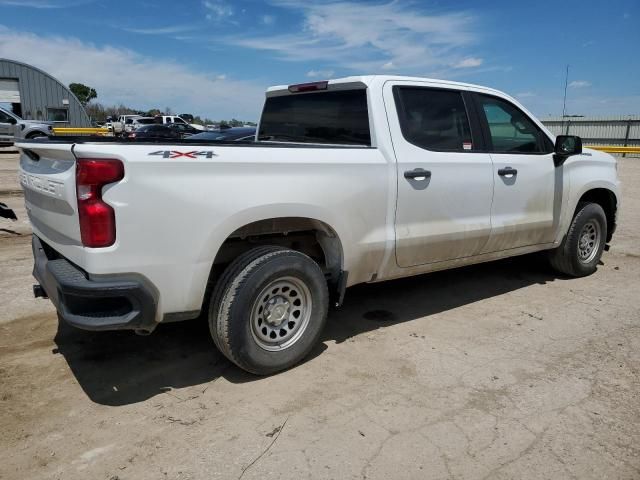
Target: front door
527, 186
6, 128
445, 183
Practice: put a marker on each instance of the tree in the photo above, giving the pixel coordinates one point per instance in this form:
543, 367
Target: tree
84, 93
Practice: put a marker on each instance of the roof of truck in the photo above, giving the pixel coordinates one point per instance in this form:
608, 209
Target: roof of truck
369, 79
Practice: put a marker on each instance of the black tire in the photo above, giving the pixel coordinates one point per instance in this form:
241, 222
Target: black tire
234, 301
566, 258
33, 135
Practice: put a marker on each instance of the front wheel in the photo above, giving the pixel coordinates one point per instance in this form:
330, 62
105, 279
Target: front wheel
268, 309
33, 135
580, 251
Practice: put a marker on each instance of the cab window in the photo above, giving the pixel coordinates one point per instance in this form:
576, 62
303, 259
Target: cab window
433, 119
510, 130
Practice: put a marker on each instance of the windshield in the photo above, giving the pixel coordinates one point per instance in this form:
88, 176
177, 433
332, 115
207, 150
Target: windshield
8, 112
338, 118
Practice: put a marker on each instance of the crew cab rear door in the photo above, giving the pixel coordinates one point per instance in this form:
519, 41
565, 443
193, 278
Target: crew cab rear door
527, 186
445, 181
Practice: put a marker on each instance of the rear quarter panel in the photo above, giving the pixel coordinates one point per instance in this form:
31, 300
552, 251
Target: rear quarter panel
173, 214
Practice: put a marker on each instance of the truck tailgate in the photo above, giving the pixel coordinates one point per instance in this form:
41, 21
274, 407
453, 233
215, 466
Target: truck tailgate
48, 177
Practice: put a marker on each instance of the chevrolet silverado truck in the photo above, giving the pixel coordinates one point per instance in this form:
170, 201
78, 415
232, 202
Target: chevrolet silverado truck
354, 180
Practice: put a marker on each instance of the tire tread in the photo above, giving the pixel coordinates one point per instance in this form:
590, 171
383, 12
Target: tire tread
561, 258
222, 285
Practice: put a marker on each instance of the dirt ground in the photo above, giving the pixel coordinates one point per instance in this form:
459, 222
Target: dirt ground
497, 371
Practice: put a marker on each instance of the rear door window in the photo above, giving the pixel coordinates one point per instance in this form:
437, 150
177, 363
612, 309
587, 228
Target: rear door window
337, 118
433, 119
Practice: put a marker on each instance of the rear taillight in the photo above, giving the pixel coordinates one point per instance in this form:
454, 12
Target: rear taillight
97, 219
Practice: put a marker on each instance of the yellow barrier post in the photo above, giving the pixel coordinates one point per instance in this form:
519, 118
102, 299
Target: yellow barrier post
81, 131
614, 148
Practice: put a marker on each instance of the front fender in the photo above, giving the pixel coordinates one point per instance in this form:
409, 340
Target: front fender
589, 171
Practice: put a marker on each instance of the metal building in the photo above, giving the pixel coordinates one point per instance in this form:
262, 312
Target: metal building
614, 130
36, 95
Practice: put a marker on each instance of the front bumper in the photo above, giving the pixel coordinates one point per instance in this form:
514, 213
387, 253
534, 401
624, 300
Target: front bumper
110, 302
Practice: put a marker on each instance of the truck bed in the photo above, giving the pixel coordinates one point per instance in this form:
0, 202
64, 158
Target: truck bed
183, 141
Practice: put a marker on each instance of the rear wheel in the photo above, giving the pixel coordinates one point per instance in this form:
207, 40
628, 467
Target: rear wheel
580, 251
268, 309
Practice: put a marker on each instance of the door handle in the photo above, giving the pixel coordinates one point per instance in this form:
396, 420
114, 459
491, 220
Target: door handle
417, 174
503, 172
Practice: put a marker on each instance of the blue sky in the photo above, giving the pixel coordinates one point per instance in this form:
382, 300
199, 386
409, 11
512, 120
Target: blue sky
216, 57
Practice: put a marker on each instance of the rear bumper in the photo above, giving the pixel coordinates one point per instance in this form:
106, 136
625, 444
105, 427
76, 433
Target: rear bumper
110, 302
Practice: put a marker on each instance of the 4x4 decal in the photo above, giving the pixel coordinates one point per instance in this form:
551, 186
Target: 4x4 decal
178, 154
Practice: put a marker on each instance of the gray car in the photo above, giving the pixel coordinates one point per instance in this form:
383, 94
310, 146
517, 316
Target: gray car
13, 127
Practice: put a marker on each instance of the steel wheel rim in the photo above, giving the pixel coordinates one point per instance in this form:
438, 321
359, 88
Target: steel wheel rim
589, 241
280, 314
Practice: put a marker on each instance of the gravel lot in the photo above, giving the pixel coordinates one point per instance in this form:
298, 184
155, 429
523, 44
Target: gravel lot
498, 371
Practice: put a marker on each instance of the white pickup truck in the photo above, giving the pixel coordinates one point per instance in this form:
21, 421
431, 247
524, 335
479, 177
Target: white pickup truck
360, 179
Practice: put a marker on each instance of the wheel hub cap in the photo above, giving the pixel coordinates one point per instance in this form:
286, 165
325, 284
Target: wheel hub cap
280, 313
589, 242
276, 311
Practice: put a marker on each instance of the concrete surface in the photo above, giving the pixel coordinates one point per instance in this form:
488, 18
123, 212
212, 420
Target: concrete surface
498, 371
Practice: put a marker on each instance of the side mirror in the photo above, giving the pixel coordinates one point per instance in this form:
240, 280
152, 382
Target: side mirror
12, 121
566, 145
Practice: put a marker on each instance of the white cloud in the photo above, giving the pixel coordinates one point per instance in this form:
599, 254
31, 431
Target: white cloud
369, 37
218, 10
579, 84
468, 63
124, 76
159, 30
44, 3
268, 19
320, 73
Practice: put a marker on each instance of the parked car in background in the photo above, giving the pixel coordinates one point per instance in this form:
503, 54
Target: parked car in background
153, 131
127, 121
230, 134
184, 129
168, 119
177, 120
138, 122
13, 127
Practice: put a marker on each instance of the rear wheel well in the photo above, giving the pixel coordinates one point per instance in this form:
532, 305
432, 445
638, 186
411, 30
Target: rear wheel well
312, 237
609, 203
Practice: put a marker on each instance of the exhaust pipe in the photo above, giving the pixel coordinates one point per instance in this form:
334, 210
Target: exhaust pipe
39, 292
